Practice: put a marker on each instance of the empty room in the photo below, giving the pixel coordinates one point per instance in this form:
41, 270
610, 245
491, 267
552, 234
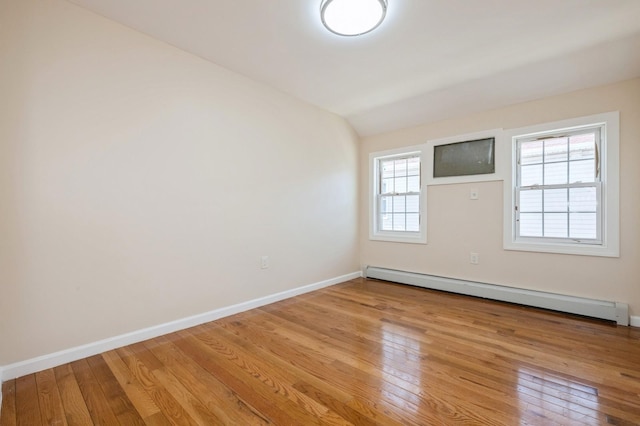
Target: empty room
346, 212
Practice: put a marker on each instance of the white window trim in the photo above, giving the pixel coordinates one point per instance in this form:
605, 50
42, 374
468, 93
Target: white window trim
500, 160
610, 196
396, 236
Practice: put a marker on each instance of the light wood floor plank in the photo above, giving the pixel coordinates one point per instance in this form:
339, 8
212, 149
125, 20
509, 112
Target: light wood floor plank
133, 356
217, 397
75, 408
313, 364
132, 388
50, 402
27, 402
245, 380
119, 403
8, 414
93, 396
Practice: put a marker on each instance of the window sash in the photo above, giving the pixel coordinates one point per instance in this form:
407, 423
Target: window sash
558, 135
571, 215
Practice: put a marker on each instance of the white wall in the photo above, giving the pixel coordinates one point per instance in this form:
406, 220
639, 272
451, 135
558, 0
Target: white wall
457, 225
140, 184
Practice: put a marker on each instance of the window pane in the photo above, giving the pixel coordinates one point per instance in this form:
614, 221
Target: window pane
387, 168
531, 152
582, 171
556, 149
531, 175
401, 167
401, 185
413, 184
414, 166
387, 186
385, 205
386, 222
555, 225
413, 203
413, 222
582, 225
555, 173
399, 204
531, 224
399, 222
582, 147
531, 201
555, 200
582, 200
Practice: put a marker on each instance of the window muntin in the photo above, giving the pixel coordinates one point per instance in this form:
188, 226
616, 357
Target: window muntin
558, 187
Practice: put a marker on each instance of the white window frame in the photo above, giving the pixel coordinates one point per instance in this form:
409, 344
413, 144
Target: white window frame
607, 242
375, 233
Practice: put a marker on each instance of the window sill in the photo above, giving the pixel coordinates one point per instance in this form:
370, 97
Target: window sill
564, 248
396, 237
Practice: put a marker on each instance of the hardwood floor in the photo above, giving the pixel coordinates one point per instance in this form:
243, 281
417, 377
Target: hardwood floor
362, 352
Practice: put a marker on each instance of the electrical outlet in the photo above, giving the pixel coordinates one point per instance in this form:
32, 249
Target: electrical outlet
474, 258
474, 194
264, 262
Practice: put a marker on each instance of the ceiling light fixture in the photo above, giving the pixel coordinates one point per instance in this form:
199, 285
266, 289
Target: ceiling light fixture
352, 17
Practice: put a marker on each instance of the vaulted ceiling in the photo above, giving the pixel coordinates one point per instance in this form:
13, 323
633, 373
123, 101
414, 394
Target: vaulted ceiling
429, 60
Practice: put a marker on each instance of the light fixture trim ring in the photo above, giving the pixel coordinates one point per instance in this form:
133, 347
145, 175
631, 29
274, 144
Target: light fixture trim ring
325, 3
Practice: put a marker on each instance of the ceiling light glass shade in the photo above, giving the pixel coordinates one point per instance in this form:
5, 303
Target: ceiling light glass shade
352, 17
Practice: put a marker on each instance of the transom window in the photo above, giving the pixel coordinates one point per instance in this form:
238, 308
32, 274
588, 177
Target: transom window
558, 187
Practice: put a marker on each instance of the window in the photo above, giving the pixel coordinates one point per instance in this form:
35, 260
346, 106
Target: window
558, 187
397, 201
564, 188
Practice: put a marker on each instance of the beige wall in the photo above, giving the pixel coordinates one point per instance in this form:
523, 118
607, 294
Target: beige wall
140, 184
458, 225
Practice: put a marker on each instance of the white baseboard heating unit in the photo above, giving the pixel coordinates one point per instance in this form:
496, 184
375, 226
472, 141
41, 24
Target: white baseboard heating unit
612, 311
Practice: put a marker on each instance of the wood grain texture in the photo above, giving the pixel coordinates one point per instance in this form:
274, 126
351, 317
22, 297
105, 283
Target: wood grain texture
363, 352
75, 409
8, 413
51, 409
27, 402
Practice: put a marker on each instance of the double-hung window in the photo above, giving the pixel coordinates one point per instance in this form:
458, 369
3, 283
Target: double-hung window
559, 187
564, 192
397, 204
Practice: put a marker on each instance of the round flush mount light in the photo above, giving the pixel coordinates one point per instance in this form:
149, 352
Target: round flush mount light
352, 17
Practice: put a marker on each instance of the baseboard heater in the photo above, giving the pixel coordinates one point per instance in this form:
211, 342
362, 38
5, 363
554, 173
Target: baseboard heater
612, 311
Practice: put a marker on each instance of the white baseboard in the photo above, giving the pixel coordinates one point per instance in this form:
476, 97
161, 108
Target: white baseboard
55, 359
634, 321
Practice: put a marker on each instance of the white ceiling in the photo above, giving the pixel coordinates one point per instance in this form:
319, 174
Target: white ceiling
429, 60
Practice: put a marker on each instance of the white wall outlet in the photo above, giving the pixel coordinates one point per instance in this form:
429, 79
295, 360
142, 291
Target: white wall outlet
474, 194
264, 262
474, 258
